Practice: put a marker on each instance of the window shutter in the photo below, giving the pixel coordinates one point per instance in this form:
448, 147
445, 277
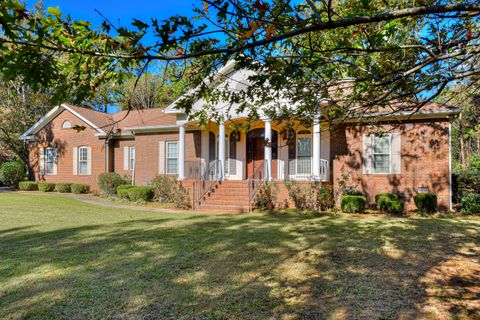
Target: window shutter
55, 161
125, 158
89, 160
161, 157
396, 146
41, 162
75, 161
367, 156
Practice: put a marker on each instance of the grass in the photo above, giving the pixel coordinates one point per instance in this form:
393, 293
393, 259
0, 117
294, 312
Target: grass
64, 259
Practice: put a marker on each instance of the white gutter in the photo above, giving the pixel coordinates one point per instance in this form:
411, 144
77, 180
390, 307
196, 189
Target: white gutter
450, 164
164, 128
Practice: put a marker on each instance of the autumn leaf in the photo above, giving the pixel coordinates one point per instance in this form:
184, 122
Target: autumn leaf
205, 7
254, 27
261, 7
270, 31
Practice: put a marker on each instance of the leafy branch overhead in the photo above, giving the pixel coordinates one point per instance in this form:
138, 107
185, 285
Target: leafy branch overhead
363, 54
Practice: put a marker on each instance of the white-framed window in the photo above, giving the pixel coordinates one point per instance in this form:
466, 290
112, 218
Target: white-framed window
304, 152
82, 160
66, 124
131, 157
172, 157
50, 160
382, 159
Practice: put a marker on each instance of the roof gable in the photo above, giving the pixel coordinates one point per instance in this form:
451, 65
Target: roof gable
52, 114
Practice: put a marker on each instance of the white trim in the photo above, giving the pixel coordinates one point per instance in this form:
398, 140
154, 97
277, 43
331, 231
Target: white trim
450, 164
29, 134
83, 118
153, 128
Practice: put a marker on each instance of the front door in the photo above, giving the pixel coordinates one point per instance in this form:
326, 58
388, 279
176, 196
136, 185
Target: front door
256, 154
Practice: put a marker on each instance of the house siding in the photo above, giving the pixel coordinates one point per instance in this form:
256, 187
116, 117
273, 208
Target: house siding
424, 161
64, 140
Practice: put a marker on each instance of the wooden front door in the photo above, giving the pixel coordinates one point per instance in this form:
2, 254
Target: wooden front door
256, 154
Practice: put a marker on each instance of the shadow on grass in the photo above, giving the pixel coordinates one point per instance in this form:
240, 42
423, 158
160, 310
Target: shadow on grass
234, 267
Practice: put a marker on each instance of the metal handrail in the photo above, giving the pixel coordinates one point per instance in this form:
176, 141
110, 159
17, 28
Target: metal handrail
205, 183
253, 187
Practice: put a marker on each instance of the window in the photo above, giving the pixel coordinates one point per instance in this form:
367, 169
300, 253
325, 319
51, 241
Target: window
50, 160
82, 160
66, 125
172, 157
304, 152
131, 159
381, 153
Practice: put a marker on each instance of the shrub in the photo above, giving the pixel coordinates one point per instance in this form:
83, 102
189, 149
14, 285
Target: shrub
181, 199
28, 185
11, 173
108, 183
381, 198
122, 191
266, 196
165, 189
353, 204
80, 188
470, 204
325, 198
143, 193
46, 186
425, 202
302, 195
63, 187
394, 206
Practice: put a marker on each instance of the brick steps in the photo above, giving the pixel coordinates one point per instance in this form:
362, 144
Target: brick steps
227, 196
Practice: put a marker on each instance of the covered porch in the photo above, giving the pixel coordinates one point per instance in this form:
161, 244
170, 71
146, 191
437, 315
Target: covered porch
261, 150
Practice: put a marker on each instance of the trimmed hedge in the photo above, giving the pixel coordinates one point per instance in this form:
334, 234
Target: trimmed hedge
46, 186
143, 193
108, 183
28, 185
79, 188
381, 198
122, 191
394, 206
425, 202
353, 204
11, 173
470, 204
63, 187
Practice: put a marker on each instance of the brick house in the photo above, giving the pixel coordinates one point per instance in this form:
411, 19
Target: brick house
412, 155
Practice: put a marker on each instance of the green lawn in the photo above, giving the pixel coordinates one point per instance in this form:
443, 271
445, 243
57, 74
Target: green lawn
61, 258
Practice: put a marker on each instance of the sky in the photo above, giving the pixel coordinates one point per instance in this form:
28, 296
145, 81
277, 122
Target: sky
122, 12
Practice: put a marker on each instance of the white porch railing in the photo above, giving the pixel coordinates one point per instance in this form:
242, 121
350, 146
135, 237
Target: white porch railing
302, 169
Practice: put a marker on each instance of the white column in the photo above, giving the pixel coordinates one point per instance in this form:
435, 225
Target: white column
316, 148
181, 153
268, 149
221, 150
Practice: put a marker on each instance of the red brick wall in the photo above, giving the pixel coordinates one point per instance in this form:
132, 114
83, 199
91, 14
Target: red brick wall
424, 161
147, 152
65, 140
117, 146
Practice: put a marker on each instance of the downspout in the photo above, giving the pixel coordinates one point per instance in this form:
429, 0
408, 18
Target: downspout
450, 163
135, 159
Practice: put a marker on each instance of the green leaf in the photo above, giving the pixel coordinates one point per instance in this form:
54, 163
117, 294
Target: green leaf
139, 24
54, 11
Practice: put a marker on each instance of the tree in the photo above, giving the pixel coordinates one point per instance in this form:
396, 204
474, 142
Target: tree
20, 108
362, 54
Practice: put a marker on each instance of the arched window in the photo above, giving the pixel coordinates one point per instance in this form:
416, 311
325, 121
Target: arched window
66, 124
